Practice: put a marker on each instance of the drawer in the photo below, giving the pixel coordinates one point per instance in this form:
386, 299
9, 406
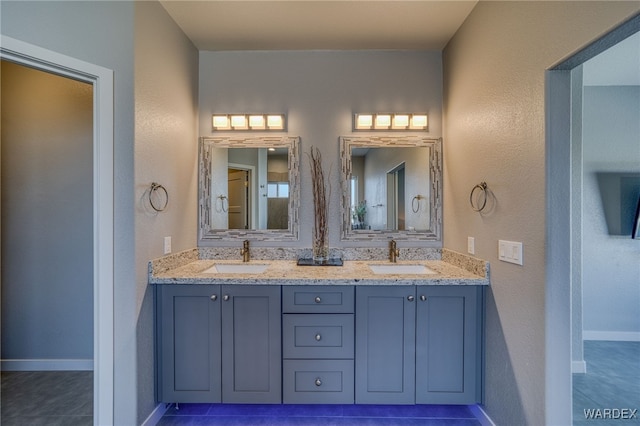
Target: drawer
318, 299
317, 336
318, 382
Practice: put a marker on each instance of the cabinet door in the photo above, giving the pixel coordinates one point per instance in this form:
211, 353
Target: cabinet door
251, 344
188, 330
385, 345
448, 352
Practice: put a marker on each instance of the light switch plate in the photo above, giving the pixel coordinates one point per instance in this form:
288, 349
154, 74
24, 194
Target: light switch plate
167, 245
471, 245
510, 251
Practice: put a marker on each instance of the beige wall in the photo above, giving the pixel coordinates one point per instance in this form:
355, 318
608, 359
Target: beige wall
319, 91
166, 152
104, 36
494, 70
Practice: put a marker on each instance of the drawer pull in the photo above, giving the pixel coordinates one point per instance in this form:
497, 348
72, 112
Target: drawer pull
410, 298
214, 297
423, 297
318, 299
226, 297
318, 382
318, 337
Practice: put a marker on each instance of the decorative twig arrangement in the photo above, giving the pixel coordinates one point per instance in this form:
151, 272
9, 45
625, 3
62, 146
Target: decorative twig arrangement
320, 206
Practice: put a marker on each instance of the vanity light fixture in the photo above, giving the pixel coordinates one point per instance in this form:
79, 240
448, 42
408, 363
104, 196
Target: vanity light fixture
249, 122
388, 121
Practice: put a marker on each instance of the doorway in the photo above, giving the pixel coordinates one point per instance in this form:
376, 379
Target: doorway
562, 132
101, 79
239, 181
47, 305
395, 198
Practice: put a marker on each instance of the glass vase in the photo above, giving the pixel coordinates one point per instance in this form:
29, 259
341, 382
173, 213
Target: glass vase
320, 251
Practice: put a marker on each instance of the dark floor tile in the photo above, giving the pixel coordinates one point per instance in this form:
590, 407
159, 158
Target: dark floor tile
188, 410
48, 421
417, 411
612, 381
298, 410
187, 421
46, 397
309, 421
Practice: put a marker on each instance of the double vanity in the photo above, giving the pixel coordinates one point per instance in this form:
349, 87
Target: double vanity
367, 332
397, 326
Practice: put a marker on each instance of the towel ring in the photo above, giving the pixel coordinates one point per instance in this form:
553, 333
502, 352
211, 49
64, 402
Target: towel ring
155, 187
415, 207
224, 198
482, 187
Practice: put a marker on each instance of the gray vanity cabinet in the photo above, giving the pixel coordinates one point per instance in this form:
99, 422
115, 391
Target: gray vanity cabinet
418, 345
318, 344
189, 342
251, 344
448, 344
385, 344
219, 343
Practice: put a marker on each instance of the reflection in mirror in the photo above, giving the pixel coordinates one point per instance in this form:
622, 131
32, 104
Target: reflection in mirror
391, 188
249, 187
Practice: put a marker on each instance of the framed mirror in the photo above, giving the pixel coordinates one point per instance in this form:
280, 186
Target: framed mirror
249, 187
391, 188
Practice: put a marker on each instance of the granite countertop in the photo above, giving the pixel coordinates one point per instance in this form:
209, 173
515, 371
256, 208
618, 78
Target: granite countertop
452, 269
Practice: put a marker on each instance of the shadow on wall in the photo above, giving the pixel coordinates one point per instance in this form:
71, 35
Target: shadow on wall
500, 382
145, 355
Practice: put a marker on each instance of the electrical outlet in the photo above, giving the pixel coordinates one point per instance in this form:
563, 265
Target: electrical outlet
510, 251
471, 245
167, 245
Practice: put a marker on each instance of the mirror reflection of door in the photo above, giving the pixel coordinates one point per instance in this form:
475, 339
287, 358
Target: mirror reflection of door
396, 198
239, 190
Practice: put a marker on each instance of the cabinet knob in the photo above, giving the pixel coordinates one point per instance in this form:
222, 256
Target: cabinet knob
410, 298
214, 297
423, 297
318, 299
318, 382
318, 337
226, 297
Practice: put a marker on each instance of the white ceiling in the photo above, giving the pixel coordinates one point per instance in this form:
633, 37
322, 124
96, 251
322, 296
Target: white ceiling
355, 25
311, 25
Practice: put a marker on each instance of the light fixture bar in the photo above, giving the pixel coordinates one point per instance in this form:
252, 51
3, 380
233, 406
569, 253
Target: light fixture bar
249, 122
390, 121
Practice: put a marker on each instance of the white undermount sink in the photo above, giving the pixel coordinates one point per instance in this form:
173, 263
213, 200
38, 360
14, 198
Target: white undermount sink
400, 268
237, 268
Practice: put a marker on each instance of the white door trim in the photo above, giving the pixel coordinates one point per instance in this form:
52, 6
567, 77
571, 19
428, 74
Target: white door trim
103, 233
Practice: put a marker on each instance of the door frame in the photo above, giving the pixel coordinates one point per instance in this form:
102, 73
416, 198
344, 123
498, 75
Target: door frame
103, 225
559, 273
253, 204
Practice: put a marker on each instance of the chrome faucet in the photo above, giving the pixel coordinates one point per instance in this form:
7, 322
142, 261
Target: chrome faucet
394, 252
246, 255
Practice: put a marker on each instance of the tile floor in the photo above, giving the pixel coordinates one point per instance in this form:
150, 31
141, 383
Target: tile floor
612, 382
52, 398
311, 415
46, 398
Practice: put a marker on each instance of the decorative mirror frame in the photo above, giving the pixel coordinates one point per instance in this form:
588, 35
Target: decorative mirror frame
435, 175
205, 233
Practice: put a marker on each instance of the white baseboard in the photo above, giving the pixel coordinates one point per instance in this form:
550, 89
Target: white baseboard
46, 365
481, 415
579, 367
156, 414
616, 336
